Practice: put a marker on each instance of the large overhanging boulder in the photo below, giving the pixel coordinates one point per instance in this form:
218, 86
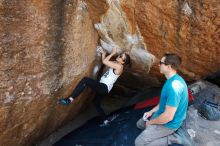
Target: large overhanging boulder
46, 47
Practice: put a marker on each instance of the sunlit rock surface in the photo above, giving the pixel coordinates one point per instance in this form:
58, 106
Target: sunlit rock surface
188, 28
116, 30
46, 47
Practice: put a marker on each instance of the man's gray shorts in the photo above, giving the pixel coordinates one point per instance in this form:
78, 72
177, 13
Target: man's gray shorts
154, 135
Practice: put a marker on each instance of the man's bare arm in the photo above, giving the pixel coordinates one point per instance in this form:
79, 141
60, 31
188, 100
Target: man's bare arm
164, 117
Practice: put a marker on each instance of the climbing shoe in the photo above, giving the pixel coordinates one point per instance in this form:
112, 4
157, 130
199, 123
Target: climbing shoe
64, 101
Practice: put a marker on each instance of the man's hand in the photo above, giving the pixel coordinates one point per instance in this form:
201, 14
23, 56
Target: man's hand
147, 115
163, 118
148, 123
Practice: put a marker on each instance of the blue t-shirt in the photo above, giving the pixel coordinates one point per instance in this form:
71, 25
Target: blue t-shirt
174, 93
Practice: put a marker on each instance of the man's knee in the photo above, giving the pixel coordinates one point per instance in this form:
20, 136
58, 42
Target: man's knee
139, 142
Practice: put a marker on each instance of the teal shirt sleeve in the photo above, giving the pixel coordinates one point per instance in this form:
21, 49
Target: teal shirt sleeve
173, 94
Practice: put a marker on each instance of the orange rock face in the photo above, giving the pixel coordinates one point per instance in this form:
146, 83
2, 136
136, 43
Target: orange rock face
189, 29
46, 47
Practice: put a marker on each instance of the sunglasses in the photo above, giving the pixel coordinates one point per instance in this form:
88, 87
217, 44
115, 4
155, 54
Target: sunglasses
163, 63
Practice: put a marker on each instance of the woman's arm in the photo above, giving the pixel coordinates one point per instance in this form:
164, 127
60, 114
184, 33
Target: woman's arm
112, 64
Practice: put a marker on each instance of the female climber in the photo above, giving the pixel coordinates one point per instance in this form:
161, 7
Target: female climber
104, 86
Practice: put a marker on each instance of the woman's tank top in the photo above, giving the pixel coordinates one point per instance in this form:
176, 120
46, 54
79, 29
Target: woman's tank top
109, 78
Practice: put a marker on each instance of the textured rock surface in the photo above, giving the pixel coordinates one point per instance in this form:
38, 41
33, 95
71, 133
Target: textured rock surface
43, 54
46, 47
148, 29
188, 29
118, 30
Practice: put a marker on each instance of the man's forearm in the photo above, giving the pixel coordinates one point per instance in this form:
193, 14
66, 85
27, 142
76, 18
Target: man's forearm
155, 109
162, 119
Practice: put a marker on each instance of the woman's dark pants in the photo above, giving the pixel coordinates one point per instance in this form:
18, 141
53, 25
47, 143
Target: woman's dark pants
100, 88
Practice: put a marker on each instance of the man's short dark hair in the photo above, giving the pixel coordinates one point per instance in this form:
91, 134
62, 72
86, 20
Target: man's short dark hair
173, 60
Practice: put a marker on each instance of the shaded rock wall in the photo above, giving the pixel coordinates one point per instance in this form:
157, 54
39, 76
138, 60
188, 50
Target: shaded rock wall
44, 47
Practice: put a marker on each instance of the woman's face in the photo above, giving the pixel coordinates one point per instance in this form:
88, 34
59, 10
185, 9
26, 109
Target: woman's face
121, 58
